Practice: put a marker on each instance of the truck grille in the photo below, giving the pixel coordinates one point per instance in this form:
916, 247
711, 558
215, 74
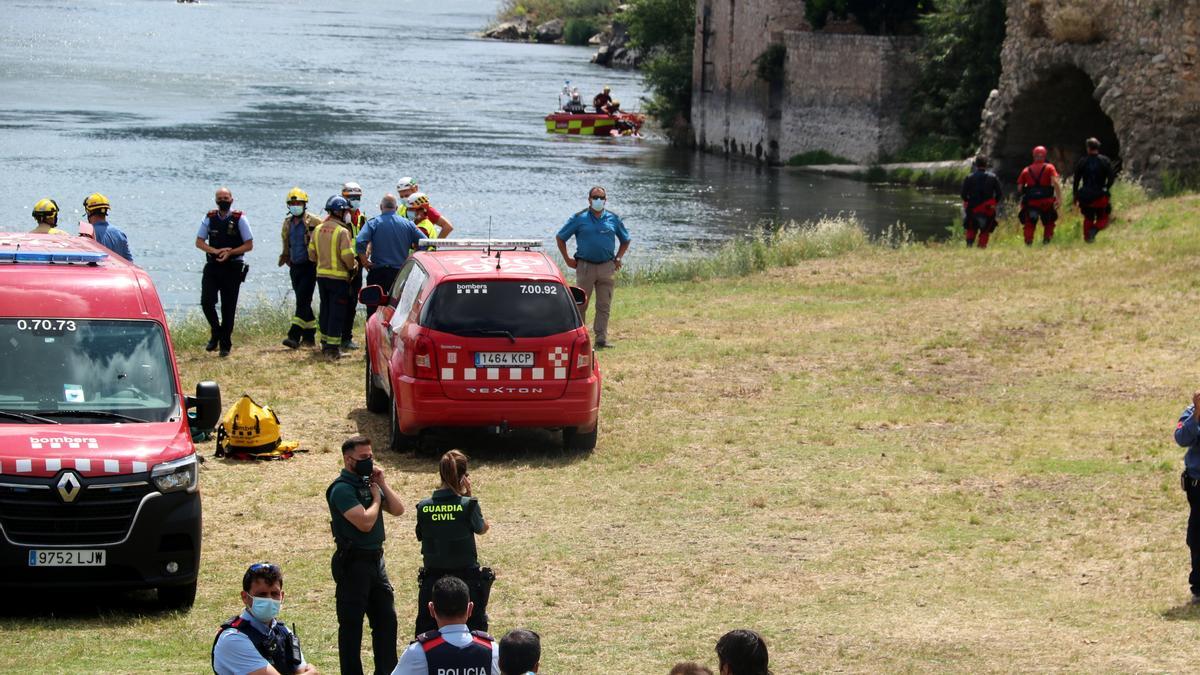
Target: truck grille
36, 516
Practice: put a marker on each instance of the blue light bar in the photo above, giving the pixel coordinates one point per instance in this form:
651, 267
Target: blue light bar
52, 257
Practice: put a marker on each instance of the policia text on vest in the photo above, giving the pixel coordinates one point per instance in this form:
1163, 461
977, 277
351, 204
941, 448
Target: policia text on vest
356, 501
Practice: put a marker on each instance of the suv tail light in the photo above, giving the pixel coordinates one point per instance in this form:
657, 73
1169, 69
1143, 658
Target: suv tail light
581, 358
424, 367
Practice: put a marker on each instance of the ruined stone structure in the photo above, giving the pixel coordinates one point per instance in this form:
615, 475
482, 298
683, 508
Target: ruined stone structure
1121, 70
836, 92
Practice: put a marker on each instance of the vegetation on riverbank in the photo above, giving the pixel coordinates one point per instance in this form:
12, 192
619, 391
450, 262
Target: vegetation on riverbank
889, 459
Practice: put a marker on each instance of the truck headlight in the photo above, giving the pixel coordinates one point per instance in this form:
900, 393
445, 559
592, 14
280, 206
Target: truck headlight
176, 475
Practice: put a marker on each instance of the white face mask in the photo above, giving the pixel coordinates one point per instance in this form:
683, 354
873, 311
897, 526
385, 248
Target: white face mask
597, 203
346, 217
354, 203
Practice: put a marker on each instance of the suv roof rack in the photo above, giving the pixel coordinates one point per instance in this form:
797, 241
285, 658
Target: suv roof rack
481, 244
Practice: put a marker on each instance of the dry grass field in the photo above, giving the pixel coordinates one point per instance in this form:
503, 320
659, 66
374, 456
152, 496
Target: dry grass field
893, 459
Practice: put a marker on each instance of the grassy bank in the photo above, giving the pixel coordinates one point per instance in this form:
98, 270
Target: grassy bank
884, 458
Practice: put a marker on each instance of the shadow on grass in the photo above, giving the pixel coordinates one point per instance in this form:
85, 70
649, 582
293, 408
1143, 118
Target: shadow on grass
82, 606
1184, 612
519, 447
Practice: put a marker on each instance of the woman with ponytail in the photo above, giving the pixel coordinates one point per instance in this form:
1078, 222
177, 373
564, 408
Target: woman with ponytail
447, 523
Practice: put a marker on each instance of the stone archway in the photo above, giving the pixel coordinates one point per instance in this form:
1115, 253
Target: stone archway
1058, 110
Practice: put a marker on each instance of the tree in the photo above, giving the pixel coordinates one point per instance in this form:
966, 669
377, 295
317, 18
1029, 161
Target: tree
960, 65
887, 17
662, 30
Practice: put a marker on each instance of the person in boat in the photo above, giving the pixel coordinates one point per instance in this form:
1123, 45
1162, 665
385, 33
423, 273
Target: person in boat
613, 108
575, 105
600, 101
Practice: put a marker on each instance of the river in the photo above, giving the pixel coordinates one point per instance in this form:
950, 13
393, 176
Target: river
156, 104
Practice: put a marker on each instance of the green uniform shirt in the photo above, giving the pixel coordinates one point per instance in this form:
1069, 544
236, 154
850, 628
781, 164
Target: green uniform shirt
348, 491
446, 527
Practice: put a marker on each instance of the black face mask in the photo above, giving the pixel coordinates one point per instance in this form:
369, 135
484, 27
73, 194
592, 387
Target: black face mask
224, 206
364, 467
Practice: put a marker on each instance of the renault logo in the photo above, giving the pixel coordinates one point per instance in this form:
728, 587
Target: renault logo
68, 486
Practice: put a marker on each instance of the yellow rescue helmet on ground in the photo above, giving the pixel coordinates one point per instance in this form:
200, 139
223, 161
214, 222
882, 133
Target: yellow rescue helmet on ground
297, 195
96, 202
45, 208
251, 431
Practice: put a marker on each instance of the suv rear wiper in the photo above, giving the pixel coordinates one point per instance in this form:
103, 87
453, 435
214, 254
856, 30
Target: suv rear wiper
26, 417
100, 414
486, 333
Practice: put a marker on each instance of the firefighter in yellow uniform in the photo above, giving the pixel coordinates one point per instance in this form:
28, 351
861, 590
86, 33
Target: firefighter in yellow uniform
352, 192
296, 234
45, 213
332, 249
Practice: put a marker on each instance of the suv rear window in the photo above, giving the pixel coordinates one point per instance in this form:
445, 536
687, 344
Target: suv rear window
494, 308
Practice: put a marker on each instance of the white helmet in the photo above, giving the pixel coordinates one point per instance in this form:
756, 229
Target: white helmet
351, 188
406, 183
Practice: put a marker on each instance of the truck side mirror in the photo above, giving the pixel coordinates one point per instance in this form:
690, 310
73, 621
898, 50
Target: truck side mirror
579, 296
207, 403
372, 296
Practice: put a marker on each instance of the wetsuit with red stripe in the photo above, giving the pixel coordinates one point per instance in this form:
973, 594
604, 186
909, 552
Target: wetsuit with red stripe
980, 194
1036, 185
1094, 176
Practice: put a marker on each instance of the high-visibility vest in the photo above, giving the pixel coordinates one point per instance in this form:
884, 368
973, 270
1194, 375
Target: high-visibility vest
332, 244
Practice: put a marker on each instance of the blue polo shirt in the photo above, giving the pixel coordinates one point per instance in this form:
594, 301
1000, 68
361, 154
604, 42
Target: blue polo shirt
595, 236
112, 239
390, 237
1187, 434
234, 653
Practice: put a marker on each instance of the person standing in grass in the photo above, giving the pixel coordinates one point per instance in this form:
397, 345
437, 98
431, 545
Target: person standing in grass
597, 258
1091, 184
1041, 193
743, 652
255, 642
357, 501
225, 238
296, 233
980, 194
447, 523
1187, 434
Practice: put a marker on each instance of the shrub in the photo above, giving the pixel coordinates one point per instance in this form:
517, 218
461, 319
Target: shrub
662, 29
1076, 21
770, 63
579, 31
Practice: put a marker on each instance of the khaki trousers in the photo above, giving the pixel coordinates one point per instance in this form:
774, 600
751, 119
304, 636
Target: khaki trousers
599, 279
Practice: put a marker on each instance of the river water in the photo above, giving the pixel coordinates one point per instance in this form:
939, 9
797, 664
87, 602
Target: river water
156, 104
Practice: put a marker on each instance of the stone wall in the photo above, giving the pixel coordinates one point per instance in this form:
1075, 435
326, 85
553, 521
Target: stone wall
845, 93
1121, 70
731, 105
841, 93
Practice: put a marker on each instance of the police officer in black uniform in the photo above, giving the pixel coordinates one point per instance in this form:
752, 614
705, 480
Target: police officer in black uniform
254, 640
453, 648
447, 523
356, 500
225, 237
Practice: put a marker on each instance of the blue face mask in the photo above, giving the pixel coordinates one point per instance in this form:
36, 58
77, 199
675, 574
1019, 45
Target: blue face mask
264, 609
597, 203
296, 209
354, 203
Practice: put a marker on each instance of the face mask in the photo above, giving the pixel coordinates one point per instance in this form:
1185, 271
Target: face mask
404, 201
346, 217
597, 203
264, 609
364, 467
354, 203
296, 209
224, 206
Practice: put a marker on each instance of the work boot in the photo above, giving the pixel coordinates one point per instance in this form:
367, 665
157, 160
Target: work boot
291, 343
212, 345
349, 344
1045, 241
225, 349
309, 342
601, 343
331, 352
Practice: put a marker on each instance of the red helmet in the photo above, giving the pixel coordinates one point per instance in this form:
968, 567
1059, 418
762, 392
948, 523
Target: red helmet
1039, 151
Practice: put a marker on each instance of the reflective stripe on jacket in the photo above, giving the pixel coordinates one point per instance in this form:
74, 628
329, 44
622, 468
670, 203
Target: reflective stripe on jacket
332, 250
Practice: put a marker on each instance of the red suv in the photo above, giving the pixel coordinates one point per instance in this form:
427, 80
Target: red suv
98, 473
481, 333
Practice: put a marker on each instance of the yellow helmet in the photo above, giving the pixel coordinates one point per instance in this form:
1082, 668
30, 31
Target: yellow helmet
297, 195
418, 200
96, 202
45, 208
248, 429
